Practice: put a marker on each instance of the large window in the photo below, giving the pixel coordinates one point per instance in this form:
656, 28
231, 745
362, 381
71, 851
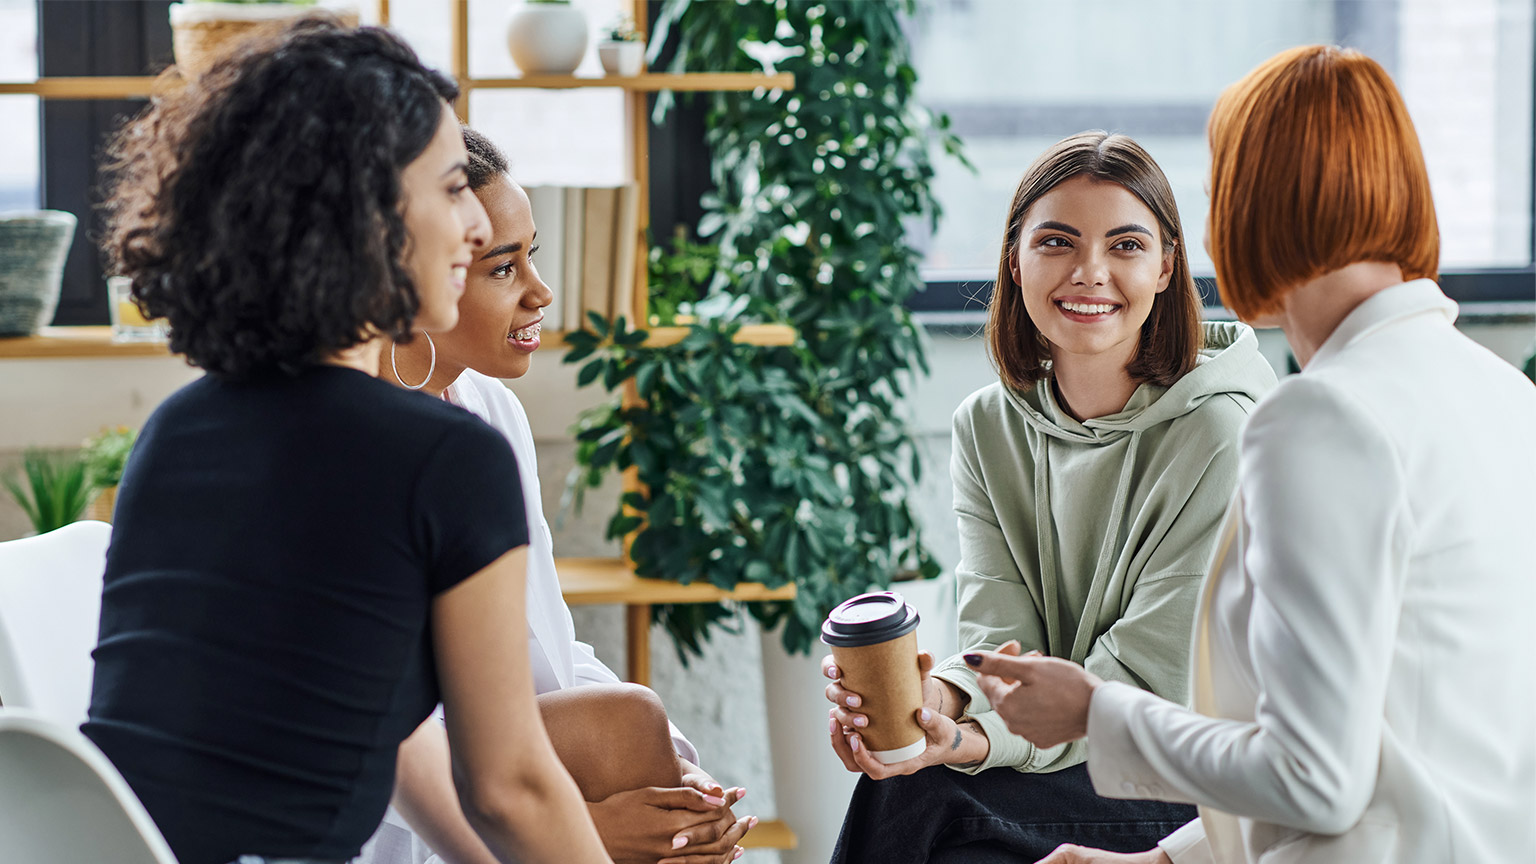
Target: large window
19, 165
1016, 77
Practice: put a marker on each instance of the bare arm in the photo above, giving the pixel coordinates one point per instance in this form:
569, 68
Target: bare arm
511, 786
425, 796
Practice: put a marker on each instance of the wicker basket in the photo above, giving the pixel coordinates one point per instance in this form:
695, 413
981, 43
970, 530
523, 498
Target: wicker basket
202, 33
100, 508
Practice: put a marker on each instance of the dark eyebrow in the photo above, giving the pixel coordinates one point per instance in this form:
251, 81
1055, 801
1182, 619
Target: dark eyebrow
1127, 229
457, 166
1058, 226
504, 249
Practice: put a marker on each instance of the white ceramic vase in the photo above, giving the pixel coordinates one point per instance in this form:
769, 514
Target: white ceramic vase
547, 38
621, 58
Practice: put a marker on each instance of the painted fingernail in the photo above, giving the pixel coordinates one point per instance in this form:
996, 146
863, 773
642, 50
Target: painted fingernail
832, 672
861, 721
853, 701
714, 801
679, 842
751, 822
737, 853
740, 794
972, 659
853, 742
831, 725
927, 715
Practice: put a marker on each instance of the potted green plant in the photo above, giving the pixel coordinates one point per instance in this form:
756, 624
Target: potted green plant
783, 464
53, 488
621, 50
547, 37
105, 455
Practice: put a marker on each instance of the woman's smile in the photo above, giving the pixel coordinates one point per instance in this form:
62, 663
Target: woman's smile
1087, 310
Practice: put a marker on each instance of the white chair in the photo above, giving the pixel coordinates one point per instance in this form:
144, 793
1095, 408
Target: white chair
50, 606
62, 802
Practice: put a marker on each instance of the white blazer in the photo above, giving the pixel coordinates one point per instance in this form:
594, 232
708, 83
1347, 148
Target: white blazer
558, 660
1365, 659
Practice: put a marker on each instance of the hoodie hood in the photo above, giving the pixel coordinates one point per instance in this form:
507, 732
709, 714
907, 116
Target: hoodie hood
1230, 362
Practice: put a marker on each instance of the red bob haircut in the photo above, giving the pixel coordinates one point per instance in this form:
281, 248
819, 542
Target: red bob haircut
1314, 166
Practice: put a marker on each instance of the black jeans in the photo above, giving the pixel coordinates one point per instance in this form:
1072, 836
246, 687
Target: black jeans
1000, 816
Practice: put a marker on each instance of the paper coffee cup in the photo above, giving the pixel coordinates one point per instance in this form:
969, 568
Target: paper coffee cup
874, 643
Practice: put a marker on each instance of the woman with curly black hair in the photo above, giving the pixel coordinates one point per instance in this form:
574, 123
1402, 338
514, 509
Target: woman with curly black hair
306, 558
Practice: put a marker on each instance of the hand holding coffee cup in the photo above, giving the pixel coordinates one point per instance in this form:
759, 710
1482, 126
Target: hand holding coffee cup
880, 726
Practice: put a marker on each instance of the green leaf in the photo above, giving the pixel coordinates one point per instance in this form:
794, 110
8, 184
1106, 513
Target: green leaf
589, 372
599, 324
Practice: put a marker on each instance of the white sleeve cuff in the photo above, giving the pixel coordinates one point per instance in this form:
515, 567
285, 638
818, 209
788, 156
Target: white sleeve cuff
1187, 845
1115, 764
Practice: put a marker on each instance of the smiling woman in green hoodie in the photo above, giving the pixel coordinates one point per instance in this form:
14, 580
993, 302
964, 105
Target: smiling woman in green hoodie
1089, 485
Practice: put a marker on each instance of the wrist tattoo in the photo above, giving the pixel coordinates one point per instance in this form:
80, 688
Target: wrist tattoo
958, 729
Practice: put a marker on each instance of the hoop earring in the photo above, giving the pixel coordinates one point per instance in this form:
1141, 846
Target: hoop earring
431, 367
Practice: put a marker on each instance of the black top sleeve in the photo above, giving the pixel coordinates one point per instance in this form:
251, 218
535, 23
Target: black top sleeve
469, 504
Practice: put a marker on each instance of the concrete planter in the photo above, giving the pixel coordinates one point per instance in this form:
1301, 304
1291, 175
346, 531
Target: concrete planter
33, 247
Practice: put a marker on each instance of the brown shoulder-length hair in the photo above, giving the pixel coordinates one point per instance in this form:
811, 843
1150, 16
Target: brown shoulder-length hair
1171, 337
1320, 138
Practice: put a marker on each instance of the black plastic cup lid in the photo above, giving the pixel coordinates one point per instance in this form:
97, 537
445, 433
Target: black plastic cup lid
869, 619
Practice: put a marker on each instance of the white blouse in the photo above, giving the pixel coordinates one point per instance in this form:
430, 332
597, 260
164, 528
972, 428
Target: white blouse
1365, 672
559, 661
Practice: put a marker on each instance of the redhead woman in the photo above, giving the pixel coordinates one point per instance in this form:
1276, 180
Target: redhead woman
1089, 484
307, 559
1364, 649
648, 798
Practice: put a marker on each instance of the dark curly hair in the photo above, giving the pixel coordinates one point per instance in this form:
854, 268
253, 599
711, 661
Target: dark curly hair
486, 161
257, 208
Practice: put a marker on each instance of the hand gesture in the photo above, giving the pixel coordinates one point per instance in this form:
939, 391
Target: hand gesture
1043, 699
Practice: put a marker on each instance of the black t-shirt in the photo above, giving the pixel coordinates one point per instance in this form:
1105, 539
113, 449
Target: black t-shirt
265, 641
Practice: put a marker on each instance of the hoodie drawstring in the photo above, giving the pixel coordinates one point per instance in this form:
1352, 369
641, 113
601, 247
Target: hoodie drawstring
1045, 528
1109, 552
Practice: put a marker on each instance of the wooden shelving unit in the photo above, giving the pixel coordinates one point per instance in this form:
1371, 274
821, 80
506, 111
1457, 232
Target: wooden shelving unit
648, 82
60, 342
138, 87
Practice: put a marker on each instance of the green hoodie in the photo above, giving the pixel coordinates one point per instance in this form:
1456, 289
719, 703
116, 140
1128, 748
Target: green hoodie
1089, 541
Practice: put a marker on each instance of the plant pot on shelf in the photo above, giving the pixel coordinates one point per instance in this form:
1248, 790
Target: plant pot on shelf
33, 246
203, 32
101, 506
547, 38
621, 58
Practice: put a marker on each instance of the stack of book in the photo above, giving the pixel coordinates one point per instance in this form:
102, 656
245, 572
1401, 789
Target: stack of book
589, 240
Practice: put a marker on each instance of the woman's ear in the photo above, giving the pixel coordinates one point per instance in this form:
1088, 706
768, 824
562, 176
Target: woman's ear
1163, 278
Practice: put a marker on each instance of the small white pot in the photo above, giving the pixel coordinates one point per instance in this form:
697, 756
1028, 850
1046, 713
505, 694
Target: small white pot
621, 58
547, 38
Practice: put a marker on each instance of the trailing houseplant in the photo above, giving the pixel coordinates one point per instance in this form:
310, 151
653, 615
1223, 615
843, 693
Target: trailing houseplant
792, 463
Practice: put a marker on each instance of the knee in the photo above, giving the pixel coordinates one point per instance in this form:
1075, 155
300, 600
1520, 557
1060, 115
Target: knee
638, 707
629, 708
